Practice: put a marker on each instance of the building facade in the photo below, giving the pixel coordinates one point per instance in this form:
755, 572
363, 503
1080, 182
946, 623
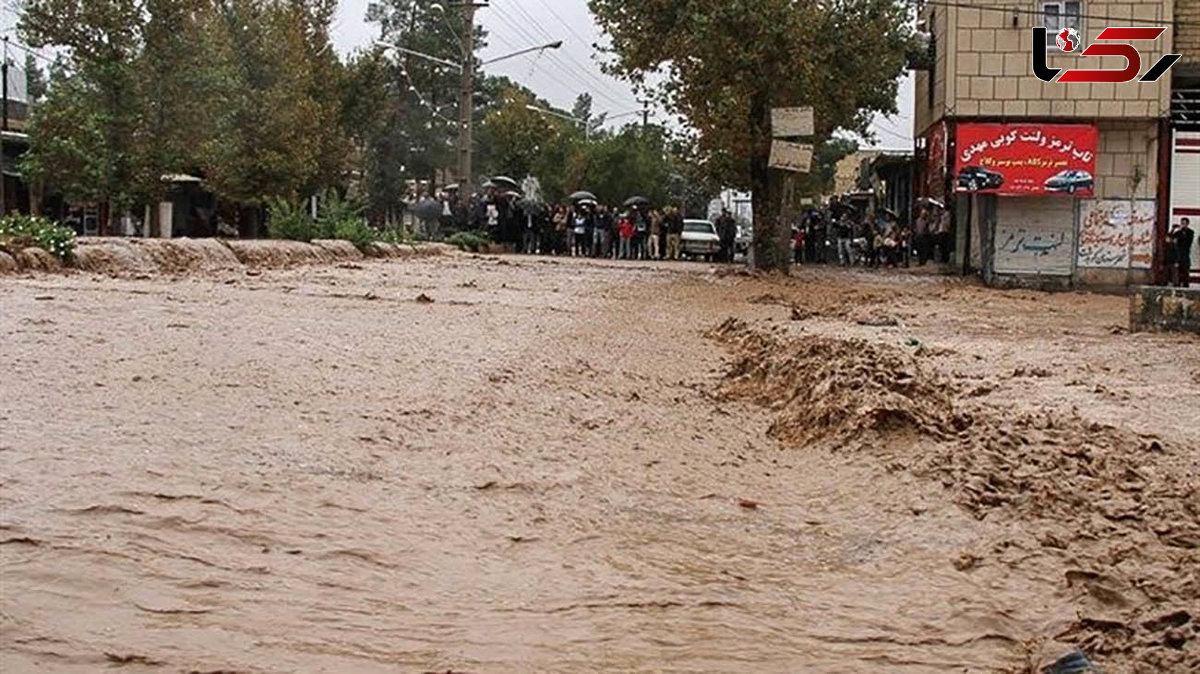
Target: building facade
1077, 191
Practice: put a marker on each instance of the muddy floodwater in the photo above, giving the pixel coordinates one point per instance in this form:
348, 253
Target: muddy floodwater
483, 464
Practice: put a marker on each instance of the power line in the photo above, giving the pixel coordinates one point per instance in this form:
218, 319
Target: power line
515, 25
604, 87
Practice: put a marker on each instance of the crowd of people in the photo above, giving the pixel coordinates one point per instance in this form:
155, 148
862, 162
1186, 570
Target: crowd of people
839, 233
582, 227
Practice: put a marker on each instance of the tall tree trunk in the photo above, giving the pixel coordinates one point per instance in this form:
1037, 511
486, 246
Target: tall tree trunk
770, 230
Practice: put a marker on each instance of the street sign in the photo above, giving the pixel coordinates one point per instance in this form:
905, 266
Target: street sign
792, 122
791, 156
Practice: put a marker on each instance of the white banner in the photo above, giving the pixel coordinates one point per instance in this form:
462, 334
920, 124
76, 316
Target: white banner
1105, 230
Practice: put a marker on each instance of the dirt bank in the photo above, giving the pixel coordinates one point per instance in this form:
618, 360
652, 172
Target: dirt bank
505, 464
124, 256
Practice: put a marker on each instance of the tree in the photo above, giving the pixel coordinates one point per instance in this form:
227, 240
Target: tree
35, 81
103, 40
728, 63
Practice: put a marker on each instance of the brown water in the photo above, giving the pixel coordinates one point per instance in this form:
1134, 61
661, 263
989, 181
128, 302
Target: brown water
548, 469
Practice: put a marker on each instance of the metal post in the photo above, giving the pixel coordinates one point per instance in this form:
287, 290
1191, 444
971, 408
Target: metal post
966, 261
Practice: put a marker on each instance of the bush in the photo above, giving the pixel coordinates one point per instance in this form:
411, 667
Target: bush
469, 241
25, 231
357, 232
286, 220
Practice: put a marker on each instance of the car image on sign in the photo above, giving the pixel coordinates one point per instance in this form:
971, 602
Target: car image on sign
975, 178
1071, 181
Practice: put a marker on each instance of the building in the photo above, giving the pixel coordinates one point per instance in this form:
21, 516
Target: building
1050, 183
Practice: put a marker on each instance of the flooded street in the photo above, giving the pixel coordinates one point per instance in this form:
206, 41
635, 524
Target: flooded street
483, 464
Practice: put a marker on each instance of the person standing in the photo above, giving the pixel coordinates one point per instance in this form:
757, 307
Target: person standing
945, 237
529, 242
1181, 239
626, 232
674, 232
656, 228
921, 236
579, 228
727, 231
641, 233
600, 230
842, 230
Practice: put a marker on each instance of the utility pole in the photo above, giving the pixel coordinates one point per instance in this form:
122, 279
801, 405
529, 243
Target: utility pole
3, 161
645, 114
466, 102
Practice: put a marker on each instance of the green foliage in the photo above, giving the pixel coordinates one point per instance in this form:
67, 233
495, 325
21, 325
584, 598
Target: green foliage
339, 218
469, 241
246, 93
24, 231
287, 220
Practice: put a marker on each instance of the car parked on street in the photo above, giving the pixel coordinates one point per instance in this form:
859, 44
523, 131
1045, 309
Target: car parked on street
976, 178
700, 239
1071, 181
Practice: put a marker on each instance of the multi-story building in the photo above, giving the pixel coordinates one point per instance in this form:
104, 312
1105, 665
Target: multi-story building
1062, 183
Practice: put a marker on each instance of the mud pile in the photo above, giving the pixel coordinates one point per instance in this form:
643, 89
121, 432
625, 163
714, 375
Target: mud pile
115, 256
1119, 512
835, 389
170, 256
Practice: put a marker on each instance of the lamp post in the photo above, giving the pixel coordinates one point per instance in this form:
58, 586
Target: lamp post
562, 115
466, 103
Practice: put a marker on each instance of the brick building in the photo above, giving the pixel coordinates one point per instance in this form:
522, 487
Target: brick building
1052, 228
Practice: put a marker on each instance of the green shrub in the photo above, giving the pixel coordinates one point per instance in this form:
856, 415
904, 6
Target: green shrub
469, 241
357, 232
25, 231
286, 220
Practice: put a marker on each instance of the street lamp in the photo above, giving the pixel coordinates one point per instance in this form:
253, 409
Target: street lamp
466, 95
562, 115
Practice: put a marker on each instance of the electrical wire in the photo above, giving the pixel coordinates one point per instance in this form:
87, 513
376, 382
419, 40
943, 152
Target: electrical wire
582, 86
603, 85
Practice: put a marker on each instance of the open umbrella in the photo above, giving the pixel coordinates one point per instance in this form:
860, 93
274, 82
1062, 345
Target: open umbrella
505, 181
489, 185
586, 202
427, 209
582, 196
932, 202
450, 188
512, 194
637, 201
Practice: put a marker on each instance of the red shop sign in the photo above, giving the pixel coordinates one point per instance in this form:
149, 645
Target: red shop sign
1026, 159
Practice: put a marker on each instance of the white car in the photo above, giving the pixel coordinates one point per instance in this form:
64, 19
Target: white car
700, 239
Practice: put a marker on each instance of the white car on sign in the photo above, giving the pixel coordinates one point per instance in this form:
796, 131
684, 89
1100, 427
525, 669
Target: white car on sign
700, 239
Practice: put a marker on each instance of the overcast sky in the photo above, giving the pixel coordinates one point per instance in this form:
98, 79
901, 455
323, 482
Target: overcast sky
559, 76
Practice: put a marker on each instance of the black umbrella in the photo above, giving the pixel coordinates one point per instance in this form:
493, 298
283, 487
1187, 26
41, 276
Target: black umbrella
450, 188
505, 181
582, 196
637, 201
512, 194
489, 185
427, 209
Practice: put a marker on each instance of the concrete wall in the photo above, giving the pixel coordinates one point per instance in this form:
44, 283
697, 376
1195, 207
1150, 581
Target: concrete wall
1127, 148
1153, 309
1187, 36
989, 71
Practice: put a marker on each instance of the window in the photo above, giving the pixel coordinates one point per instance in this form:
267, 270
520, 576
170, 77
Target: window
1059, 15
